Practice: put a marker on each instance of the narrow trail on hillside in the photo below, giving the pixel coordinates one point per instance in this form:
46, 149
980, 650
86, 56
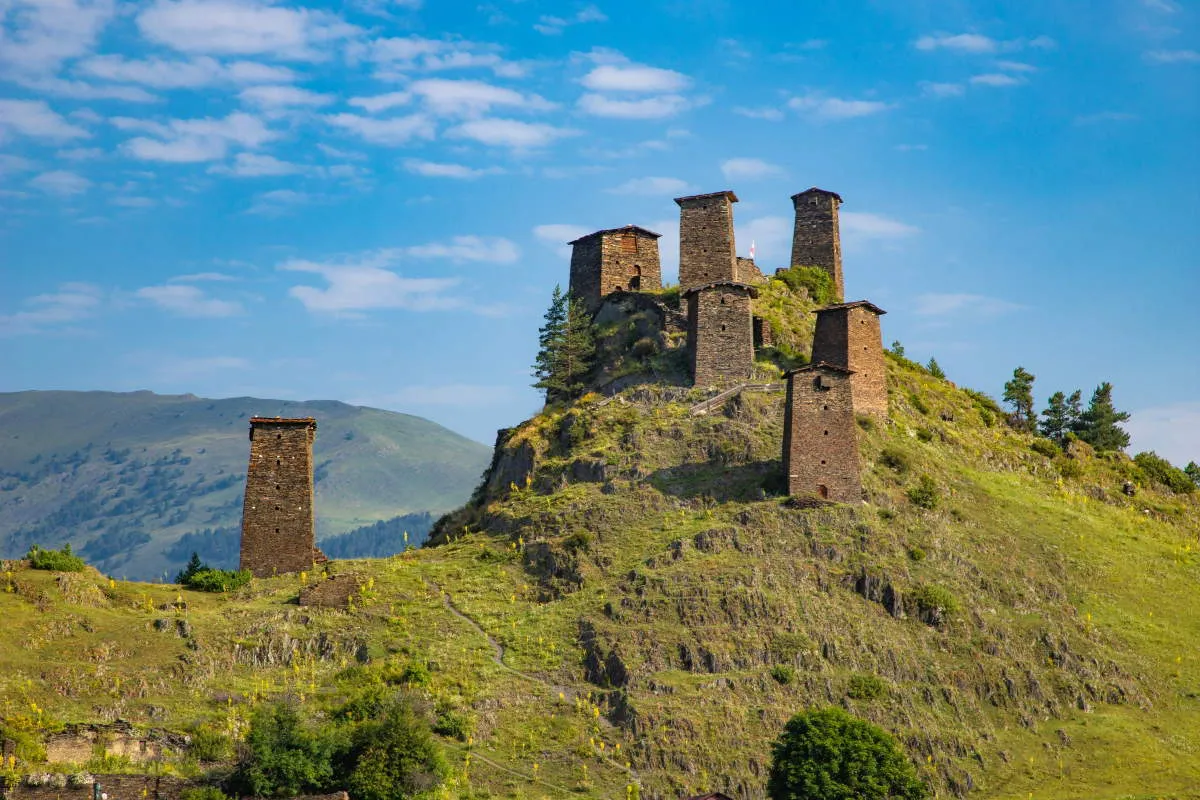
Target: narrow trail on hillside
565, 692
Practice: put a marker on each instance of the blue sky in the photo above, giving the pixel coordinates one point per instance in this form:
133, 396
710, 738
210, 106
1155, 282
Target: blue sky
369, 202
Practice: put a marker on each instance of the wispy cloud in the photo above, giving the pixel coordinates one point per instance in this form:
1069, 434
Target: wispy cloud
381, 102
278, 201
73, 302
996, 79
1173, 56
187, 301
35, 118
489, 249
967, 305
835, 108
389, 131
652, 186
1171, 431
936, 89
365, 283
193, 140
864, 226
554, 25
258, 165
61, 183
510, 133
197, 277
283, 96
657, 107
749, 169
36, 37
185, 73
557, 235
978, 44
768, 113
434, 169
445, 97
634, 78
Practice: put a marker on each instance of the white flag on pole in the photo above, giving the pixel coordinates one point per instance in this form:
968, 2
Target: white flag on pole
751, 248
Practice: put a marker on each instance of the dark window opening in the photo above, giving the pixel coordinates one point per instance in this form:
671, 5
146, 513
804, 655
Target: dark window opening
279, 436
826, 433
823, 491
722, 327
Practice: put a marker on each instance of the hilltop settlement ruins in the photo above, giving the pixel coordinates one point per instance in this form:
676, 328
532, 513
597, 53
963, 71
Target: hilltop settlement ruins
615, 271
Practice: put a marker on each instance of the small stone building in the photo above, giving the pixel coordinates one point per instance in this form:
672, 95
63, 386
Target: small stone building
849, 336
278, 533
706, 246
614, 260
820, 436
720, 332
816, 241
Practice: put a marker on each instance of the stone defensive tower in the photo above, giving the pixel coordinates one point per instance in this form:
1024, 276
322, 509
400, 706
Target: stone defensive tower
706, 247
848, 335
614, 260
816, 241
277, 515
820, 437
720, 332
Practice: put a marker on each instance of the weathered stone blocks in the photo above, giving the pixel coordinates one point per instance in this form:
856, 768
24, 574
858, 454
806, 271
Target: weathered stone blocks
614, 260
706, 246
720, 332
849, 336
820, 437
816, 241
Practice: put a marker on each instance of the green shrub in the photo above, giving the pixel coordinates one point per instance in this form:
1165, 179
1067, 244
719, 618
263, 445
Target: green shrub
827, 754
1045, 447
925, 493
786, 645
1068, 467
284, 756
783, 674
416, 674
454, 724
865, 687
645, 347
57, 560
814, 280
210, 745
1163, 472
218, 580
931, 598
917, 403
896, 459
395, 756
916, 553
202, 793
925, 434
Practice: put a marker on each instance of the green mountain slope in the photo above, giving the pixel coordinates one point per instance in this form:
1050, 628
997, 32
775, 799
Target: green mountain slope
123, 476
630, 601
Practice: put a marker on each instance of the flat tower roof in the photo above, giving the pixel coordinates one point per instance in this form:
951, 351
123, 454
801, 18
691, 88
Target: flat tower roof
727, 193
627, 228
855, 304
283, 421
815, 190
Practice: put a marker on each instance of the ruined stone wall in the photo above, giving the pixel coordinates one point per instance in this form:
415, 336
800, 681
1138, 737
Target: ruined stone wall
331, 592
720, 334
117, 787
706, 246
277, 515
849, 335
748, 272
820, 436
816, 241
619, 260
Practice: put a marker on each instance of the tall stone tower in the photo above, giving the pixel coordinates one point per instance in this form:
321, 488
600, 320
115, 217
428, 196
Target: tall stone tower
816, 241
614, 260
277, 515
720, 332
820, 437
848, 335
706, 247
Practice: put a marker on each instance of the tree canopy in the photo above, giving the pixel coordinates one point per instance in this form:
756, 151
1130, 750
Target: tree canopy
566, 348
1018, 393
1099, 424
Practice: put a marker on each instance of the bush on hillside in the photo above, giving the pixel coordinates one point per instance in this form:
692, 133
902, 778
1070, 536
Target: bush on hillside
394, 755
925, 493
827, 754
1161, 471
57, 560
285, 757
783, 674
203, 793
865, 687
814, 280
934, 600
1045, 447
203, 578
895, 458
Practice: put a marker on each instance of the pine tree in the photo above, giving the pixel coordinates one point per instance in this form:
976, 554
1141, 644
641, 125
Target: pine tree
1192, 470
897, 349
1061, 417
193, 566
1019, 394
1099, 424
566, 348
546, 367
935, 369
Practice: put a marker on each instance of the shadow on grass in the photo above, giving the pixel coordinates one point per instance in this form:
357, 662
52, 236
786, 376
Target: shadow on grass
736, 483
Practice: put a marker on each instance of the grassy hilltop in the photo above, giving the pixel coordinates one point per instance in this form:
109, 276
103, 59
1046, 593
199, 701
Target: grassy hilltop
122, 476
630, 600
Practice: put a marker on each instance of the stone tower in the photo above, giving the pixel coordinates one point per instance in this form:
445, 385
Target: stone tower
614, 260
848, 336
816, 241
277, 514
706, 246
820, 436
720, 332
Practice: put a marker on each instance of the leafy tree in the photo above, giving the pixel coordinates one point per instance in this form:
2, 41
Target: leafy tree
1061, 416
1161, 471
1099, 424
827, 754
1018, 393
1192, 470
394, 754
284, 757
935, 369
897, 349
566, 348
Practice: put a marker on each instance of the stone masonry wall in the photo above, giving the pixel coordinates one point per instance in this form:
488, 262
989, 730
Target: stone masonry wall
820, 436
117, 787
816, 241
331, 592
619, 260
849, 335
720, 334
277, 515
706, 246
748, 272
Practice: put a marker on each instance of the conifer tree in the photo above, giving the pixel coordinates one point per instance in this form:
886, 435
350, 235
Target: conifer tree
1060, 417
935, 369
1192, 470
1019, 394
1099, 425
546, 366
566, 348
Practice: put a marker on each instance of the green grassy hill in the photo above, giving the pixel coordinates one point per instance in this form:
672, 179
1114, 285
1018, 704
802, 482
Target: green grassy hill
631, 601
123, 476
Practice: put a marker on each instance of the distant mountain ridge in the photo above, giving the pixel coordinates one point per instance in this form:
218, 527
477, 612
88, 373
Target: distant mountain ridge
122, 476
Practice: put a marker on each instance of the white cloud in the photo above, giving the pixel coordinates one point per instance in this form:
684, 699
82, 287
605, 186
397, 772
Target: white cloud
767, 113
11, 163
283, 97
651, 186
861, 226
36, 37
772, 238
667, 105
193, 140
187, 301
79, 90
748, 169
1016, 66
61, 183
1162, 6
962, 42
1104, 116
258, 165
254, 72
365, 283
158, 73
554, 26
1172, 431
278, 201
1174, 56
36, 119
996, 79
196, 277
81, 153
398, 56
935, 89
556, 236
834, 108
634, 78
241, 27
509, 133
71, 303
390, 131
488, 249
446, 97
966, 305
433, 169
381, 102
